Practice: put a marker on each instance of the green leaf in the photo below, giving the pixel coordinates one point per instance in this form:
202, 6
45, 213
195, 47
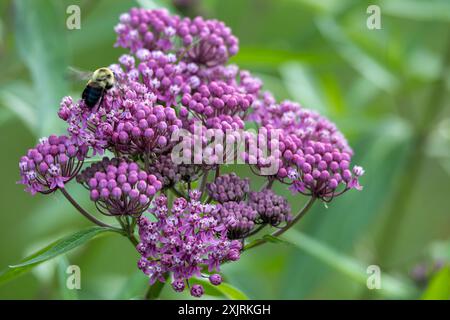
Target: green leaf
367, 66
439, 287
17, 98
2, 33
133, 286
5, 116
53, 250
155, 290
268, 58
64, 245
325, 6
253, 244
41, 42
231, 292
224, 290
391, 287
66, 293
270, 238
265, 238
431, 10
9, 273
302, 86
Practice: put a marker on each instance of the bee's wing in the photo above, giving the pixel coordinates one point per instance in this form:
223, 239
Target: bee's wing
76, 75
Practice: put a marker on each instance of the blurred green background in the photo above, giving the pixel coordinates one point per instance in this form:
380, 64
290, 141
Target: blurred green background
387, 90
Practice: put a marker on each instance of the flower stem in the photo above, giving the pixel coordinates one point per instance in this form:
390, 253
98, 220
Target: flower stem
267, 185
256, 230
133, 239
154, 290
128, 231
217, 174
84, 212
177, 192
299, 215
203, 182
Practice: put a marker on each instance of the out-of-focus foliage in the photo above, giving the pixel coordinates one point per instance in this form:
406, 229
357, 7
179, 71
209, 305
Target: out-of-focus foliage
387, 90
439, 288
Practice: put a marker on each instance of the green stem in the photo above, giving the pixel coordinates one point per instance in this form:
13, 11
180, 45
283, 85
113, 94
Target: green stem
154, 290
177, 192
133, 239
217, 173
84, 212
256, 230
203, 182
267, 185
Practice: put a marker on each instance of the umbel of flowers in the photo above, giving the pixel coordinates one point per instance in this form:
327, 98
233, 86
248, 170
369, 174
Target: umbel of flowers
183, 241
175, 76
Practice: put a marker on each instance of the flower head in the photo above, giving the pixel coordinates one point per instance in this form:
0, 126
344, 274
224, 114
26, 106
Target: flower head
197, 290
170, 173
272, 208
206, 42
215, 279
150, 29
296, 120
228, 187
183, 240
314, 157
320, 169
214, 100
238, 218
128, 123
119, 187
52, 163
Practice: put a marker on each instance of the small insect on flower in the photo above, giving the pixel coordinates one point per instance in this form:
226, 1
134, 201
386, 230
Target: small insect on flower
100, 81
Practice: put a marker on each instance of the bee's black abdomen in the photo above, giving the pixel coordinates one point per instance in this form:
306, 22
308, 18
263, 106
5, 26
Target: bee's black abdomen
91, 95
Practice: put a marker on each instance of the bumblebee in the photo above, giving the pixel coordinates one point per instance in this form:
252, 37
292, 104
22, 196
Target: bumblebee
101, 81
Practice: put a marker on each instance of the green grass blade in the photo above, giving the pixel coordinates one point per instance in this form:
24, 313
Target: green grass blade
391, 287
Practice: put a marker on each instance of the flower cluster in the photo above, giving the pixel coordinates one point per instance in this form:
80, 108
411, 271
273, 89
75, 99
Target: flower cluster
228, 187
183, 62
184, 241
313, 155
151, 29
119, 187
232, 75
241, 209
52, 163
319, 170
211, 102
170, 173
206, 42
238, 218
272, 209
173, 94
158, 72
293, 119
128, 123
